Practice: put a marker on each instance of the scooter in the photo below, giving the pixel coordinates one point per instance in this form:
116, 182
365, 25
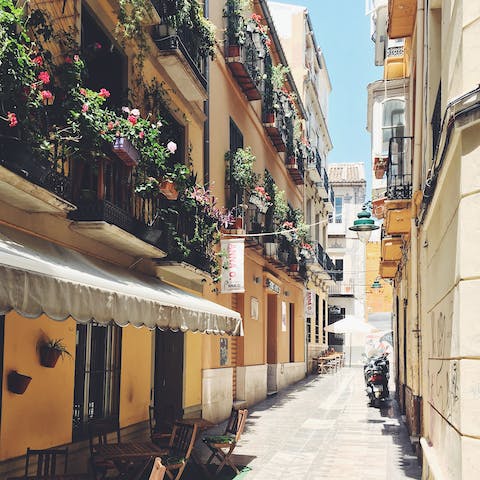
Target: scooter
376, 373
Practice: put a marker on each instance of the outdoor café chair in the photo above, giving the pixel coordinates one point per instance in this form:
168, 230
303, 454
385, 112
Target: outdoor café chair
46, 461
161, 420
179, 449
222, 446
99, 431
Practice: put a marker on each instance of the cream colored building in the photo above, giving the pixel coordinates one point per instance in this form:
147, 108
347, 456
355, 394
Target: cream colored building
431, 230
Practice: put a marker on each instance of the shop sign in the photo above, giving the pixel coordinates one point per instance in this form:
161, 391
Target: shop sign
233, 265
309, 304
272, 286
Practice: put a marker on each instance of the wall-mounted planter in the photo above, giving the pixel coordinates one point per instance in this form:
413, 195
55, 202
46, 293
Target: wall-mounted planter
125, 151
18, 383
49, 356
167, 188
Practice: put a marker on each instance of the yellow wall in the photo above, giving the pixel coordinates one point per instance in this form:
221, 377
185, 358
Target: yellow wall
378, 299
192, 394
136, 375
42, 416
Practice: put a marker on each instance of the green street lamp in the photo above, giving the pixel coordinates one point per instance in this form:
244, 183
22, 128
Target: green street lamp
376, 284
364, 225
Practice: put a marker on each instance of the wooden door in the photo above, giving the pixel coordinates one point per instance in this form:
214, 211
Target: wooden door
272, 329
168, 378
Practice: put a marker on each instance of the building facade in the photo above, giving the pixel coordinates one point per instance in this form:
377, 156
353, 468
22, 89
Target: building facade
123, 278
347, 297
429, 229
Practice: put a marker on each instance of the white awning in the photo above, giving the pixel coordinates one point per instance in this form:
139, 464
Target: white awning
37, 276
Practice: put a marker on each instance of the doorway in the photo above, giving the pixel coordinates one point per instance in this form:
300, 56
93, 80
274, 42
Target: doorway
168, 377
292, 332
272, 329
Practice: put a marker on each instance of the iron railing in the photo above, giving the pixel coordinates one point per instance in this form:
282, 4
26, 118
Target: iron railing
436, 121
399, 171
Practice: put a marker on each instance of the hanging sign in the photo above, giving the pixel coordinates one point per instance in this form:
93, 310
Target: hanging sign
309, 303
233, 265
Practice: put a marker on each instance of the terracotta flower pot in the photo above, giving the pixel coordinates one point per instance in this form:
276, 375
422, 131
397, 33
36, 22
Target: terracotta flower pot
167, 188
294, 267
18, 383
233, 51
125, 151
238, 223
49, 356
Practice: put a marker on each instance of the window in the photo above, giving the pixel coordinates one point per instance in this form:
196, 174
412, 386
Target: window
393, 124
236, 137
309, 329
338, 209
97, 374
324, 321
339, 268
317, 320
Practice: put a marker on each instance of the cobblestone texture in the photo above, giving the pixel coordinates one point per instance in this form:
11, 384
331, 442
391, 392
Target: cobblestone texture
323, 428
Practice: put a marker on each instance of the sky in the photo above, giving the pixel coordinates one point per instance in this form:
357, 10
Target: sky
342, 31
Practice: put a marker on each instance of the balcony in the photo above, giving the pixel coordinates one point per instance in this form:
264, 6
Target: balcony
388, 268
179, 55
274, 125
345, 288
392, 248
109, 211
399, 186
401, 18
31, 183
296, 168
314, 167
247, 65
320, 263
326, 191
396, 60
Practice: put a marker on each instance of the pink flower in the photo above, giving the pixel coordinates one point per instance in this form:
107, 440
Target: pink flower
110, 125
68, 60
132, 119
83, 92
104, 93
38, 60
46, 94
97, 46
268, 42
76, 58
287, 225
141, 135
12, 118
135, 111
85, 107
44, 77
172, 147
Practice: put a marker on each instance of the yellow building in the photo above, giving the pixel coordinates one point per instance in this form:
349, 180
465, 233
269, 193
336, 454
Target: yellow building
123, 277
430, 229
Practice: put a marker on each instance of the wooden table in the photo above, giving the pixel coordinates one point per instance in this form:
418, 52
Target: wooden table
323, 362
124, 455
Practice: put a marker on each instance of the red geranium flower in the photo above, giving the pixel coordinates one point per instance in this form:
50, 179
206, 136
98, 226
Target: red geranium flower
68, 59
46, 94
12, 118
83, 91
44, 77
132, 119
38, 60
85, 107
141, 135
104, 93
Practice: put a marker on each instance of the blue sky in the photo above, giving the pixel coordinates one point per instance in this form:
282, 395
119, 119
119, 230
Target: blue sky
342, 31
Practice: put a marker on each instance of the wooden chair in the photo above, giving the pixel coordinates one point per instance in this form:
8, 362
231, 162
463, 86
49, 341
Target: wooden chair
46, 461
228, 441
161, 420
99, 431
179, 449
154, 466
158, 470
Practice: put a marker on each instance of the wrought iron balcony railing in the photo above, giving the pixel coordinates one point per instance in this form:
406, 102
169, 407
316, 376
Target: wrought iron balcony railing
399, 171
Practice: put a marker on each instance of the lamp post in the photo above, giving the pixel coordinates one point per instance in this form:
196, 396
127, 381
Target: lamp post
364, 225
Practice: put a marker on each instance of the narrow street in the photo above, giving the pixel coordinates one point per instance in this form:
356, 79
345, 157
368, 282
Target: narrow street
322, 428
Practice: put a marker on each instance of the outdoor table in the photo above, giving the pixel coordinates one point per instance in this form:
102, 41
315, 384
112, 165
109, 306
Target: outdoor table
123, 454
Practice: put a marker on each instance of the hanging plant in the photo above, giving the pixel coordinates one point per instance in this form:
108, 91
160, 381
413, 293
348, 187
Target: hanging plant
240, 173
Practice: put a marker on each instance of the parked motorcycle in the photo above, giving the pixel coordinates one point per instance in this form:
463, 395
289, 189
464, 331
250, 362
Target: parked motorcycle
376, 373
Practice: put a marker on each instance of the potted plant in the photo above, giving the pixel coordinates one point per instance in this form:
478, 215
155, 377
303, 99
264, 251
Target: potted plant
18, 383
380, 165
260, 198
51, 351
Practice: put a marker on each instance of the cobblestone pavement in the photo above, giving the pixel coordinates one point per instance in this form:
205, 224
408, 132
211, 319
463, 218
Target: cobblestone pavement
323, 428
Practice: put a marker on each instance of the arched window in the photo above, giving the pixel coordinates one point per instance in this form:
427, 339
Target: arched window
393, 122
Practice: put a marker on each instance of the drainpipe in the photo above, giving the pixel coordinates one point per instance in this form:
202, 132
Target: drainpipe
206, 110
418, 133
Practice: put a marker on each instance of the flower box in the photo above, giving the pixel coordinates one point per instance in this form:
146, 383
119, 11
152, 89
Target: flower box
18, 383
168, 189
125, 151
